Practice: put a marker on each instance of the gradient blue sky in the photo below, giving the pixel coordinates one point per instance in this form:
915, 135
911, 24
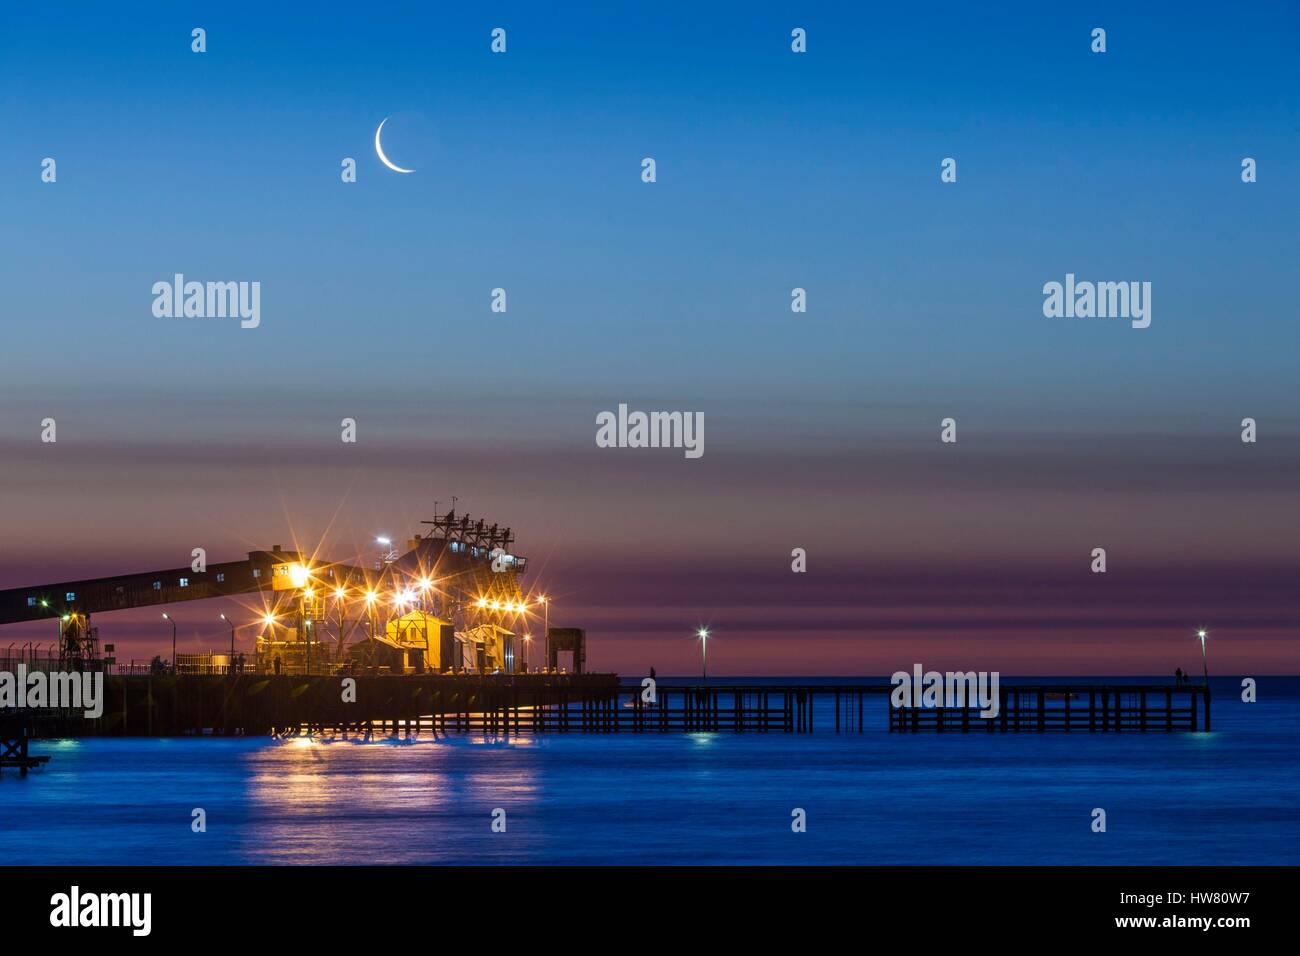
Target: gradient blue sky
774, 171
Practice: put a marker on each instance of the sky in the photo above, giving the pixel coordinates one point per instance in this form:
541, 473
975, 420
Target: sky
774, 170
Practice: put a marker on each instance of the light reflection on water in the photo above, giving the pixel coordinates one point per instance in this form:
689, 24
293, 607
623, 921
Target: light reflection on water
1232, 796
383, 801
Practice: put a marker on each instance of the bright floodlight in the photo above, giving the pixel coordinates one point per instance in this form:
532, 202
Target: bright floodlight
425, 584
298, 575
1201, 635
340, 593
383, 540
268, 618
165, 617
370, 597
703, 633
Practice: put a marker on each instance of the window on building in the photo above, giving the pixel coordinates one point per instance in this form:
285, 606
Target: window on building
157, 585
185, 582
221, 576
31, 602
257, 572
70, 596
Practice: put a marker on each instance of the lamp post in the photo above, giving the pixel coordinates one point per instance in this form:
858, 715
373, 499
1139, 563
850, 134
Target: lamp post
704, 651
371, 596
528, 652
546, 624
231, 668
340, 599
268, 620
168, 619
1205, 668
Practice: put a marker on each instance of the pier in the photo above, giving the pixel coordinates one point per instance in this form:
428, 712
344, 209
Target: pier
15, 733
416, 705
1056, 707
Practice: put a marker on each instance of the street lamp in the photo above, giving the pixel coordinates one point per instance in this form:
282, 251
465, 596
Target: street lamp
703, 634
528, 652
168, 619
1205, 668
546, 622
232, 642
340, 602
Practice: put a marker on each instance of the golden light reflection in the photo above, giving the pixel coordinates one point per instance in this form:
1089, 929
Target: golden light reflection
297, 788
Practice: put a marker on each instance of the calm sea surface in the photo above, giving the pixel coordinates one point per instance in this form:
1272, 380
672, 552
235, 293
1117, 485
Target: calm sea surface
1231, 796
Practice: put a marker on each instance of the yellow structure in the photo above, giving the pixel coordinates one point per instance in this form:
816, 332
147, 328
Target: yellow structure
493, 648
431, 636
290, 576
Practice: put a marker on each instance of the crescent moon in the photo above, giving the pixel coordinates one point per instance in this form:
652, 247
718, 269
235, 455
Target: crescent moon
380, 150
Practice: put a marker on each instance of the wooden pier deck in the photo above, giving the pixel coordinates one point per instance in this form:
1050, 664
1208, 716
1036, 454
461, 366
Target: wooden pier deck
15, 734
412, 705
1056, 707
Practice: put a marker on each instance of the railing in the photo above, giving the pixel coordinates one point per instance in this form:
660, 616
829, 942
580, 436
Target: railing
48, 664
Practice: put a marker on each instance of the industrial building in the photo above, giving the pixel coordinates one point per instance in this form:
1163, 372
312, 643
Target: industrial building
452, 601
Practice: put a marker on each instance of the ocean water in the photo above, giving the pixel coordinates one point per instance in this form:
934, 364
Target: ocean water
1231, 796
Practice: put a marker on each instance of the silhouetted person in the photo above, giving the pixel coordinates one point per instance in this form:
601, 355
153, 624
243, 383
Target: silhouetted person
652, 673
1178, 677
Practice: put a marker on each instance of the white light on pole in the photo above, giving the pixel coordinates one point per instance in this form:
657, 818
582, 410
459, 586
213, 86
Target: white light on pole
168, 618
232, 642
703, 634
